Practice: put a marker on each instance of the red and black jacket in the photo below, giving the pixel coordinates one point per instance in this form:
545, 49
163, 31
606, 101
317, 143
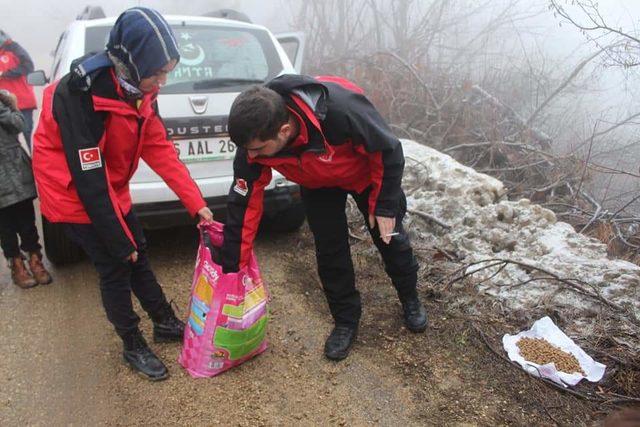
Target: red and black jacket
86, 149
15, 64
343, 143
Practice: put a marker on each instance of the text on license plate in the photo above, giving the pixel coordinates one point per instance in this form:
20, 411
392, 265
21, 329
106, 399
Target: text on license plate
204, 150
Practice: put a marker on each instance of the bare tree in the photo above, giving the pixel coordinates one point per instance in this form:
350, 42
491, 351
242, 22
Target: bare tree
622, 47
441, 73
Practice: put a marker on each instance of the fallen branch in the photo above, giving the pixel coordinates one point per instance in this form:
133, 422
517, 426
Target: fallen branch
429, 218
573, 284
508, 111
593, 218
355, 236
619, 235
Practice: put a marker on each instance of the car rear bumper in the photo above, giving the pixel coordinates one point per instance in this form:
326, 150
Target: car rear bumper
172, 213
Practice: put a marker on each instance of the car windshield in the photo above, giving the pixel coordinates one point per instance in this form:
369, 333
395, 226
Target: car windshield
212, 58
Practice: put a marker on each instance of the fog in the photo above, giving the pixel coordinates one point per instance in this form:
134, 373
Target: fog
521, 58
37, 24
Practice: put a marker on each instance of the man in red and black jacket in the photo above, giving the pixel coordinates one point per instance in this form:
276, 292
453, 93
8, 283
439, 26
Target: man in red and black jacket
15, 64
96, 124
325, 135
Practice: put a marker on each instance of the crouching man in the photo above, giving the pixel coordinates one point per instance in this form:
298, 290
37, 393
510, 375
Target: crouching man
326, 136
96, 124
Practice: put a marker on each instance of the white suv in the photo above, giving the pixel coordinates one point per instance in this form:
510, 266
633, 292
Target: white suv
219, 59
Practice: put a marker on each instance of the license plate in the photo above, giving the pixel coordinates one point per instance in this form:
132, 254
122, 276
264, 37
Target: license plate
205, 150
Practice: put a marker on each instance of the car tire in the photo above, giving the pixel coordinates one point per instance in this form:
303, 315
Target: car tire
285, 221
58, 247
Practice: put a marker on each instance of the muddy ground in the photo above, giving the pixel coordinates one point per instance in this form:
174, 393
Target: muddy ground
60, 361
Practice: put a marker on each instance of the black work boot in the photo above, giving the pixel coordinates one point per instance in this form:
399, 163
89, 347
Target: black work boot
140, 357
166, 326
415, 315
340, 341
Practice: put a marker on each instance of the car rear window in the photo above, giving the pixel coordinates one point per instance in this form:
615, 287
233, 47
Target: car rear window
211, 58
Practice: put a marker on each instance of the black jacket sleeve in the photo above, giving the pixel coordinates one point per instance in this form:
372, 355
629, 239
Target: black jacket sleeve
81, 128
25, 65
244, 210
385, 153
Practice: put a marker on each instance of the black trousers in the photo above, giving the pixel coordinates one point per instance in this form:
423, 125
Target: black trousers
325, 209
18, 220
118, 278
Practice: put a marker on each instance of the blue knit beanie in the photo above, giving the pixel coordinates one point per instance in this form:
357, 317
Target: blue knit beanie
143, 41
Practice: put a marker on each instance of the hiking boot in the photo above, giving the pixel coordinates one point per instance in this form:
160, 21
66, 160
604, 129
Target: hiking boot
166, 326
40, 273
19, 273
415, 315
340, 341
141, 359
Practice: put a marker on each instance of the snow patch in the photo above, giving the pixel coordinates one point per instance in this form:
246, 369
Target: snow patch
484, 226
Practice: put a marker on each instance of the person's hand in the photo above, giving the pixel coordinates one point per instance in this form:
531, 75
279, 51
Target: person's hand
14, 100
9, 99
205, 214
133, 257
386, 226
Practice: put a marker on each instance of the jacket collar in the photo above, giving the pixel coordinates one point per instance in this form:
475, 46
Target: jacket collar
311, 91
312, 138
108, 95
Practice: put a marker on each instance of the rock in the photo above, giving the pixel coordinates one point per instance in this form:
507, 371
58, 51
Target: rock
505, 212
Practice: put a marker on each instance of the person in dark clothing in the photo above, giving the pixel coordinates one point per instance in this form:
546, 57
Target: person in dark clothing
15, 64
96, 124
17, 191
325, 135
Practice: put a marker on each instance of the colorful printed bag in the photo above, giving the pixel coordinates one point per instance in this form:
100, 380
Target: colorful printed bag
227, 312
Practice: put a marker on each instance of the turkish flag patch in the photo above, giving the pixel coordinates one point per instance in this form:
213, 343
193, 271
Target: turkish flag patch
90, 158
241, 187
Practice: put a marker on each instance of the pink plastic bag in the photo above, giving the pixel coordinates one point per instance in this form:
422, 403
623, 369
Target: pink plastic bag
227, 312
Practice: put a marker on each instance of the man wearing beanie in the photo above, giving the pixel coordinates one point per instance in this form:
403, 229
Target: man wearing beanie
96, 123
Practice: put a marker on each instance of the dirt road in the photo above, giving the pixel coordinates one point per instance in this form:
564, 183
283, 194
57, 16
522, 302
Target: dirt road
60, 361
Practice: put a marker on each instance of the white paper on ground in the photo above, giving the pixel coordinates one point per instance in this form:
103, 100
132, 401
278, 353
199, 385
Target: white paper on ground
546, 329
